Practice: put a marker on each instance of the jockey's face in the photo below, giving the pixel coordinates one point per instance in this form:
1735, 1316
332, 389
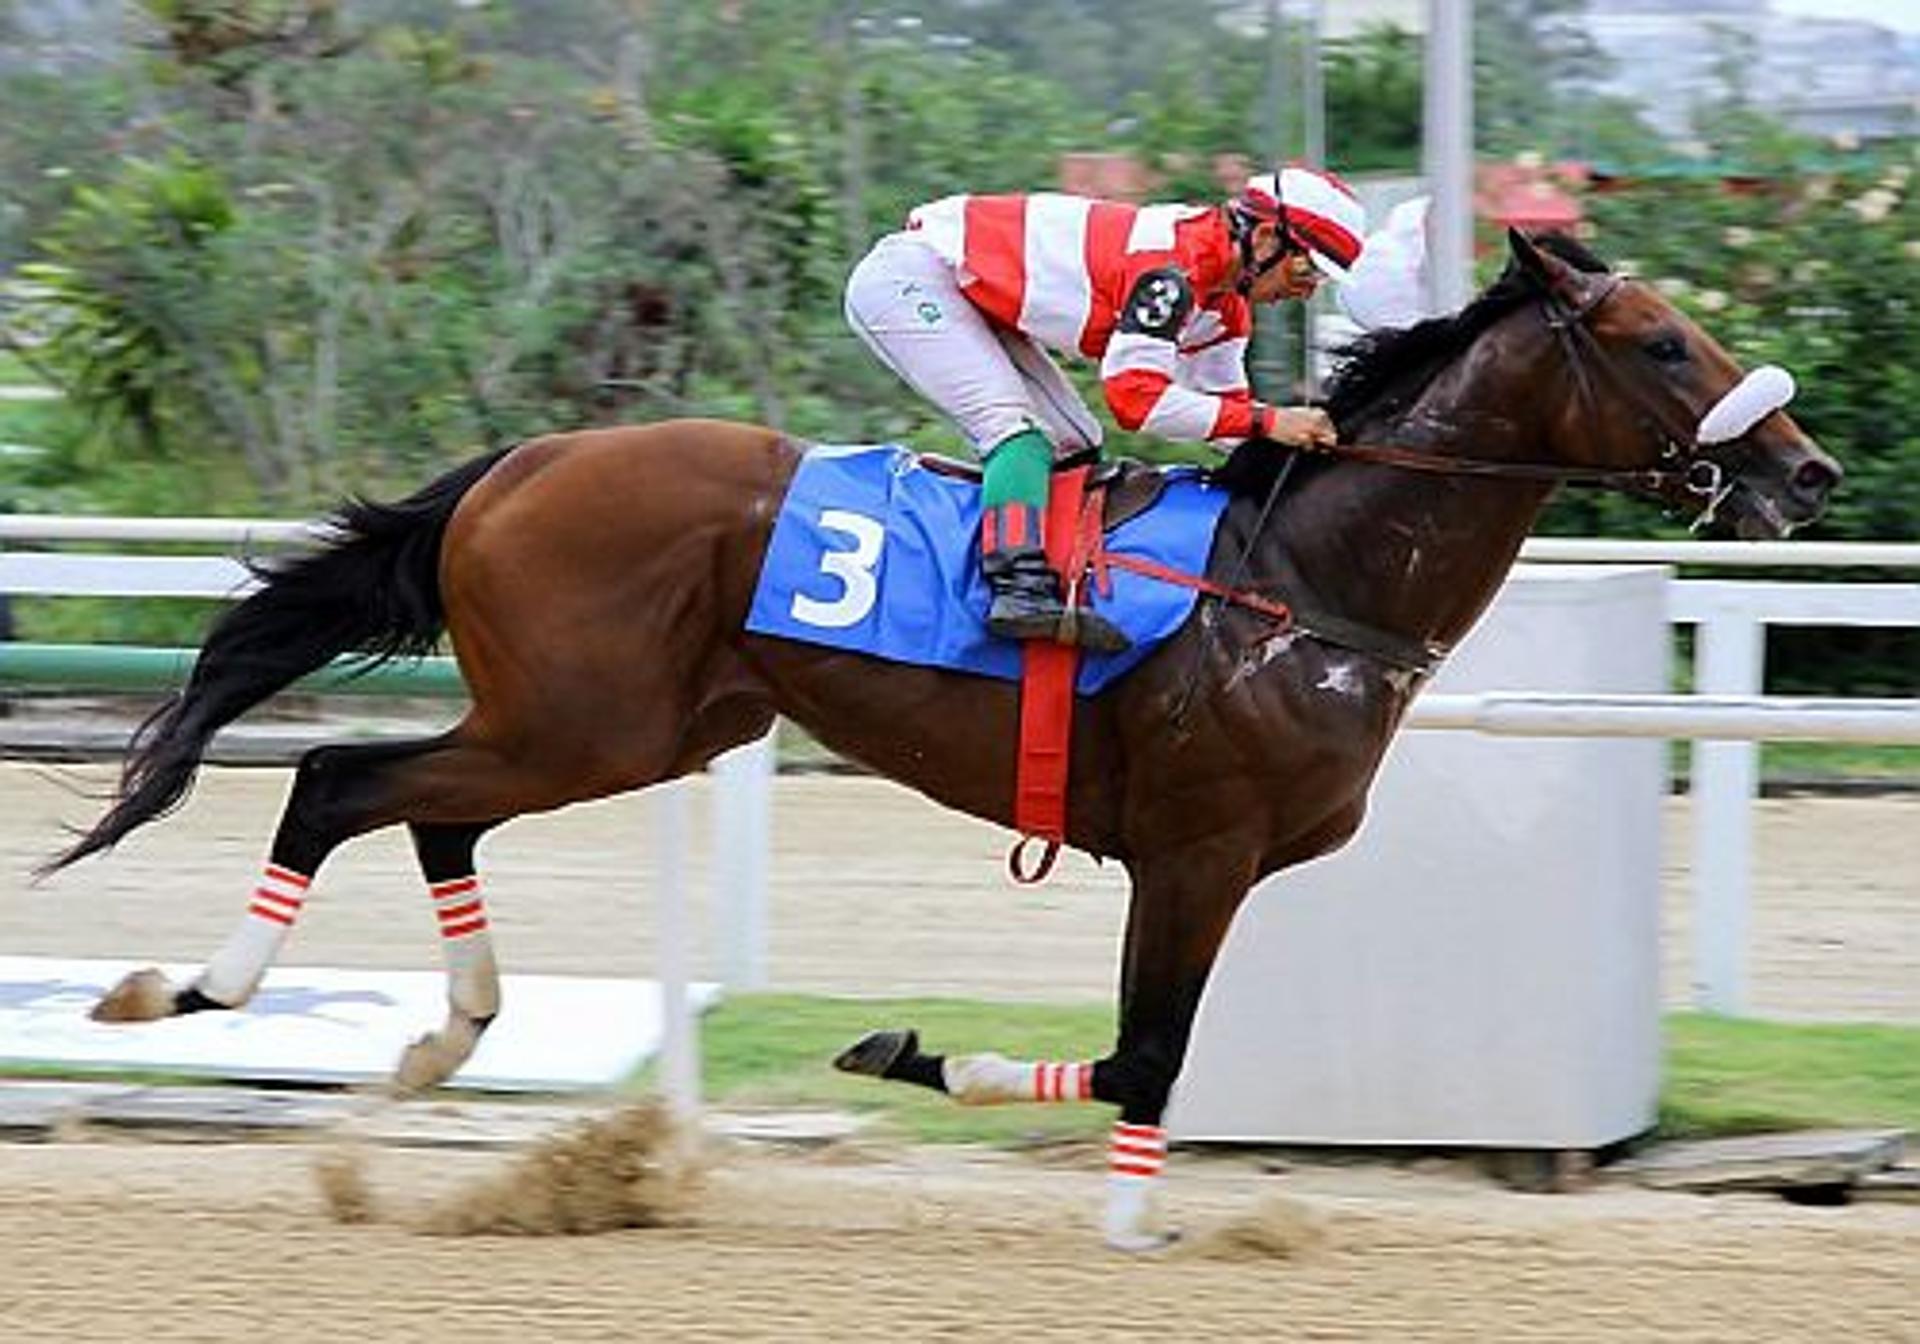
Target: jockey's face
1293, 278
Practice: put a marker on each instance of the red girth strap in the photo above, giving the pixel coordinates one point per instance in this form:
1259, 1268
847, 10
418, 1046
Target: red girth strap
1046, 694
1076, 548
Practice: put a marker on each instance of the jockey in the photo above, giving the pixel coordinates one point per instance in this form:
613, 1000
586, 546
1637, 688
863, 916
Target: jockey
964, 303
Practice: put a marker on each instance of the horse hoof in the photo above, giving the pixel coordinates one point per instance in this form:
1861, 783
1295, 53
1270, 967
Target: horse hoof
1141, 1243
436, 1056
141, 996
878, 1051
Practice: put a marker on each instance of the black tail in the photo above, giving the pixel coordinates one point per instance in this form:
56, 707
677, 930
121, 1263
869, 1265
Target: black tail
373, 588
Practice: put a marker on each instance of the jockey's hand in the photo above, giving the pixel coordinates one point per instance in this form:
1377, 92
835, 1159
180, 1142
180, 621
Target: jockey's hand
1306, 427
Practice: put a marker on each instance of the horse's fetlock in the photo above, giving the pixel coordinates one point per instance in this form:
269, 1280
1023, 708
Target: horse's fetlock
193, 999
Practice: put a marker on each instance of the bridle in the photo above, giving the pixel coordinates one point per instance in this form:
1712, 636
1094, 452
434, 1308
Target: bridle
1684, 469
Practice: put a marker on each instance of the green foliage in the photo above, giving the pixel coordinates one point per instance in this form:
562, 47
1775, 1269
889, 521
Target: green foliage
119, 263
304, 247
1374, 91
1818, 272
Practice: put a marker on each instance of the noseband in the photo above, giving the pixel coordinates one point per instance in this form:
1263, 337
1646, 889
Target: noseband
1684, 468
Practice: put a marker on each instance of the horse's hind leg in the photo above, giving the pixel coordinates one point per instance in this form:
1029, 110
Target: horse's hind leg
445, 851
451, 789
310, 828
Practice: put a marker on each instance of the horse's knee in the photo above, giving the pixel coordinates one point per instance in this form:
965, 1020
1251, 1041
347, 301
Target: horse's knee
1137, 1080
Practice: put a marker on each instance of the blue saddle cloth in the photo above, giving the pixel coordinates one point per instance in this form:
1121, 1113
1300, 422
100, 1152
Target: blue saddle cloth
875, 554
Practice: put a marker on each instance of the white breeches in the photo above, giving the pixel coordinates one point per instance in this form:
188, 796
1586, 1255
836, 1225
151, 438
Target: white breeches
906, 304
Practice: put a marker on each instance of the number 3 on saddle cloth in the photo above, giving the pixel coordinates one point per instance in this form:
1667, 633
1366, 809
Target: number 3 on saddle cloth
877, 554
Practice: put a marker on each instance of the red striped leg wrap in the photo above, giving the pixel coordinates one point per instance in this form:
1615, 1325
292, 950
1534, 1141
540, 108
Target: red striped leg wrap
1137, 1150
1062, 1082
458, 907
235, 969
280, 895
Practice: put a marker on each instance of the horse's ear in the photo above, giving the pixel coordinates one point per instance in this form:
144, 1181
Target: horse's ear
1554, 276
1548, 270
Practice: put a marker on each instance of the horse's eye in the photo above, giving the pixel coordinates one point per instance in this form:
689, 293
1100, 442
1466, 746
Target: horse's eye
1668, 349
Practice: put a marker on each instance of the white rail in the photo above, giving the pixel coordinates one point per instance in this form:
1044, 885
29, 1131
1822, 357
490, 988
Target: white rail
1801, 554
198, 531
1716, 717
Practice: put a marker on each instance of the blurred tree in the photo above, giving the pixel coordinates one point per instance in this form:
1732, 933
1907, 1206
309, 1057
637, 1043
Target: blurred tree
1374, 84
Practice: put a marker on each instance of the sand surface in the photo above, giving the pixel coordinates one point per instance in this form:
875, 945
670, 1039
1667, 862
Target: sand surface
876, 892
174, 1242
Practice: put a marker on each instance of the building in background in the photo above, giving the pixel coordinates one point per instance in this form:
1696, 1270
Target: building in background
1831, 77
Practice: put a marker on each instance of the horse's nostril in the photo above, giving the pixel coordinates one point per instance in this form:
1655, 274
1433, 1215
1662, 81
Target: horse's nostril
1814, 478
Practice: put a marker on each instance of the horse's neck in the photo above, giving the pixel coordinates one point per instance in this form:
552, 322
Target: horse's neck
1414, 554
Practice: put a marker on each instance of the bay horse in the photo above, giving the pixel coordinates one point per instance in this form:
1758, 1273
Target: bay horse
595, 587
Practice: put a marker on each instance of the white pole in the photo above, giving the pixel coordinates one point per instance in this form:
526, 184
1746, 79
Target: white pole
1728, 660
1313, 118
1767, 718
742, 839
1448, 150
679, 1047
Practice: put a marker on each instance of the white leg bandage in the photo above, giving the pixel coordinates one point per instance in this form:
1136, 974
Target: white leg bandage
473, 979
473, 987
1135, 1157
235, 970
989, 1080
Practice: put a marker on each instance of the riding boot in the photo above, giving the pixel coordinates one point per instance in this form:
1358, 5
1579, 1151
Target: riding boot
1026, 592
1027, 603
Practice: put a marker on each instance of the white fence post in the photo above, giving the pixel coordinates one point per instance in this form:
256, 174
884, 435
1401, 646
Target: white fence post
679, 1046
1729, 653
742, 840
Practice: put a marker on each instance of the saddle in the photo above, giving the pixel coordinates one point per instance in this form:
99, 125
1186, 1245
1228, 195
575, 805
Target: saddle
1131, 488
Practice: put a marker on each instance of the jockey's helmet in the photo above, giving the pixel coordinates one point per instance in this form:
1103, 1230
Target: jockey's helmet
1315, 209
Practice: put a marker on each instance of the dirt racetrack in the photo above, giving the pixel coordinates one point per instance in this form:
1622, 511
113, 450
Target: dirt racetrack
170, 1242
158, 1242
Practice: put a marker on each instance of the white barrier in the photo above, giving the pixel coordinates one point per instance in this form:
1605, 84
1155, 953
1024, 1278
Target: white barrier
1480, 965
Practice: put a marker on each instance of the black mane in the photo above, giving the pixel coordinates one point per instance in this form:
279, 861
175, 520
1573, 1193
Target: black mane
1394, 364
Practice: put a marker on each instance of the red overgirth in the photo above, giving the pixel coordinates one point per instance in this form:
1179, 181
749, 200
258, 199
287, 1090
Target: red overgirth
1076, 547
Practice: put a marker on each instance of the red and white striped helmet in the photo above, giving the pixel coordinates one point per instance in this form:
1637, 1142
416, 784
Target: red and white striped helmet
1319, 210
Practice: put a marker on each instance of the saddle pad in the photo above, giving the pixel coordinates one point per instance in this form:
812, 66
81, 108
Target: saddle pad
875, 554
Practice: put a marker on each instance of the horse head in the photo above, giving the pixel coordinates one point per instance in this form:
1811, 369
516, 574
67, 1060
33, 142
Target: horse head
1660, 406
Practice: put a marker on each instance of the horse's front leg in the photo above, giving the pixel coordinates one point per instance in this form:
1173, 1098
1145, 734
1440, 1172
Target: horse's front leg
1181, 907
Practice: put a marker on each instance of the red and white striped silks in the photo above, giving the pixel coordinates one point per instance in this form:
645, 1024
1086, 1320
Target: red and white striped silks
1059, 269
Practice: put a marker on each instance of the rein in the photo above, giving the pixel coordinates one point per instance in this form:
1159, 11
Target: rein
1680, 469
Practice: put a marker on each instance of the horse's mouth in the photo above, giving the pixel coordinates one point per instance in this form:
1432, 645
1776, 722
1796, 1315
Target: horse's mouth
1750, 513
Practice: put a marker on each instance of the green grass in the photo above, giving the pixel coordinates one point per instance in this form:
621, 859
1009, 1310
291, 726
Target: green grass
1722, 1076
1729, 1076
777, 1050
1839, 760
